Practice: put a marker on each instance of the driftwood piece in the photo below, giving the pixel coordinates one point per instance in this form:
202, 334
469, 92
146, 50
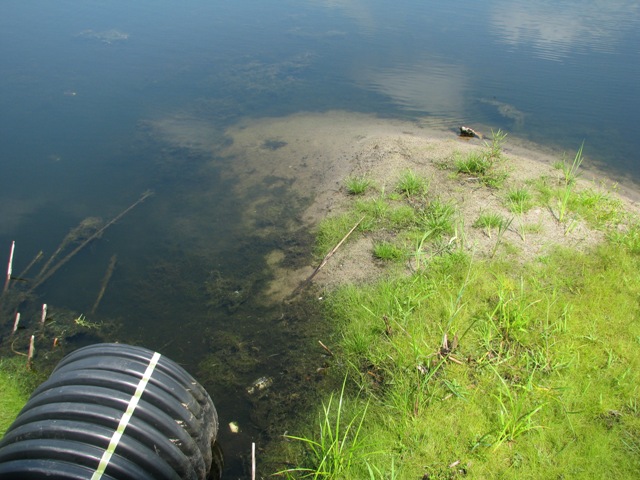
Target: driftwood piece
326, 258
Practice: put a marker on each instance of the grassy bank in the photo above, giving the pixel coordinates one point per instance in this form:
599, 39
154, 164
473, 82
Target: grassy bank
492, 362
16, 385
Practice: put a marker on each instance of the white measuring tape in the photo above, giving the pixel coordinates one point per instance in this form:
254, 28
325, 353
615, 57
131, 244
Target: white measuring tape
126, 417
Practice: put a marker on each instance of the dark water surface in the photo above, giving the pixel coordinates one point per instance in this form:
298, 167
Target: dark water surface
82, 81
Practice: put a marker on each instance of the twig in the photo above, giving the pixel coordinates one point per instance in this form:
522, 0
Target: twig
324, 260
13, 349
326, 348
69, 256
105, 282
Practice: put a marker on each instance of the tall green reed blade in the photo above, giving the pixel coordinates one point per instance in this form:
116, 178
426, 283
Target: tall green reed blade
336, 448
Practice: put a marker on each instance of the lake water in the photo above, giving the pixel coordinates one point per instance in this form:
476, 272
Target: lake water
103, 100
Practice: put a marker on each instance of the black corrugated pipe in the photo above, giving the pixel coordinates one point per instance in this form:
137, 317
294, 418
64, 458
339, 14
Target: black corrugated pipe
113, 411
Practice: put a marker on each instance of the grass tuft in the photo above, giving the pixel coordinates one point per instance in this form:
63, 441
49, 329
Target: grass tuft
387, 251
357, 185
411, 184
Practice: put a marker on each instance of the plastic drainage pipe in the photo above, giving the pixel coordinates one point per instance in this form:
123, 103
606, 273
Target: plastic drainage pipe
114, 411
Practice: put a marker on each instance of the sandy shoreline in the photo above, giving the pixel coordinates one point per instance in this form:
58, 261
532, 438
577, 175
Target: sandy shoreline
311, 154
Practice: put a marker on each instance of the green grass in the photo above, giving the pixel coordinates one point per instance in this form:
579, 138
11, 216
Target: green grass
595, 206
490, 222
542, 380
438, 218
411, 184
519, 200
335, 449
16, 383
357, 185
486, 164
387, 251
483, 367
333, 229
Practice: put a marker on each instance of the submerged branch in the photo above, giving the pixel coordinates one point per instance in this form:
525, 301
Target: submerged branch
105, 282
42, 278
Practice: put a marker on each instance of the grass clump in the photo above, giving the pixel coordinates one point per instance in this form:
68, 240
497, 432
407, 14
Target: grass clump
333, 229
438, 218
519, 200
489, 222
335, 449
410, 184
387, 251
357, 185
568, 203
486, 164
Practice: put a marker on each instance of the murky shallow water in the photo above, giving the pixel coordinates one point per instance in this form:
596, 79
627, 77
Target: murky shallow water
101, 101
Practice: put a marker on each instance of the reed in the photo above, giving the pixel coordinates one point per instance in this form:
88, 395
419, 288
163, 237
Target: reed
335, 448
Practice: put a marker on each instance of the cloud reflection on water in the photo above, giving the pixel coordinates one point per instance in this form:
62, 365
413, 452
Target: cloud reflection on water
429, 86
555, 29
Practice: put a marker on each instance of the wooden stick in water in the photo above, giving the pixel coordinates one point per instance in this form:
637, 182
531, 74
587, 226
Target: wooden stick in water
9, 267
44, 314
71, 254
253, 461
32, 349
105, 282
15, 323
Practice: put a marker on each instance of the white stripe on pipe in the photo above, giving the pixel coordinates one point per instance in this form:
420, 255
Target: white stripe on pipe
124, 421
